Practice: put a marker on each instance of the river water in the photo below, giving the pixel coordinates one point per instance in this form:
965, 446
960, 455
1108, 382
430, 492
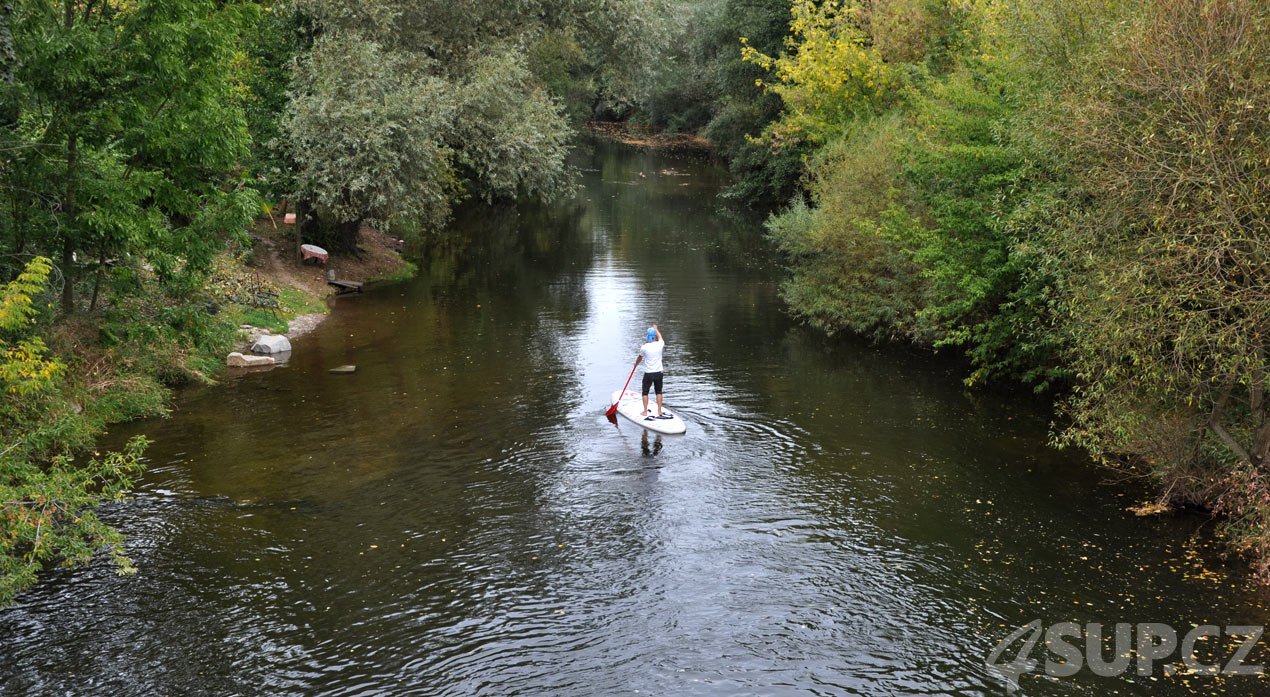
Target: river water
458, 517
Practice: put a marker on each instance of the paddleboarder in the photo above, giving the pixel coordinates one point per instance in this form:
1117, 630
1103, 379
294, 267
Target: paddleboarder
624, 402
650, 355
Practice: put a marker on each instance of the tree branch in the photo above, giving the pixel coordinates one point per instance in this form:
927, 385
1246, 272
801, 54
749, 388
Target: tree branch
1214, 424
1257, 401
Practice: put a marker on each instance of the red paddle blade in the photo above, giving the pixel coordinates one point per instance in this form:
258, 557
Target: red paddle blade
612, 410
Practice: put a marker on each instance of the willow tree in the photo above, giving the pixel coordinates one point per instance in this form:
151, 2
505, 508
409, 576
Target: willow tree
1170, 316
402, 107
363, 130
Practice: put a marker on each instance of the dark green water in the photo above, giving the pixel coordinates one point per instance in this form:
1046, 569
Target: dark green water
458, 518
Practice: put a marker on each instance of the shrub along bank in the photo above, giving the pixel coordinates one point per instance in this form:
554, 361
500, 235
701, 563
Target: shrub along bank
1074, 194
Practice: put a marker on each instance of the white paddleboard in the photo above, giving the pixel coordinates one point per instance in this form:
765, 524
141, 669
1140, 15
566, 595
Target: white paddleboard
630, 404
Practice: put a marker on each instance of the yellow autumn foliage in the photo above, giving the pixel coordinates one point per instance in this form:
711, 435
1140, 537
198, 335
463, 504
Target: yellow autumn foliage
829, 73
24, 370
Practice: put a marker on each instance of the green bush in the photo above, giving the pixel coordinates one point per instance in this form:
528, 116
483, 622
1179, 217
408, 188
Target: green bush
987, 189
849, 269
49, 500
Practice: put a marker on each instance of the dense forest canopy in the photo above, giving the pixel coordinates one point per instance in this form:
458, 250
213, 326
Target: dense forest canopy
1072, 193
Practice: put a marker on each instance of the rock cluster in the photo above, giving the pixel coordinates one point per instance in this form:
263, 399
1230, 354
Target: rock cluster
276, 348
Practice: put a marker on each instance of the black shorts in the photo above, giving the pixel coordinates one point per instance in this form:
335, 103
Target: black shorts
652, 380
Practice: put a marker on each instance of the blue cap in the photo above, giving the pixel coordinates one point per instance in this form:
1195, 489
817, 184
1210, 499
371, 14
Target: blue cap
651, 335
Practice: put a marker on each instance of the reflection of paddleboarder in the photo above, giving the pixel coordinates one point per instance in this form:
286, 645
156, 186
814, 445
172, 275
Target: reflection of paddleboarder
650, 353
645, 449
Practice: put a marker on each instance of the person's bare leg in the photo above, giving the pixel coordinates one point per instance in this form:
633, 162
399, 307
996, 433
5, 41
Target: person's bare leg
645, 406
659, 404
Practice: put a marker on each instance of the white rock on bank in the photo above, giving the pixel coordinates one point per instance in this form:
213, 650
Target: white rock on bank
271, 343
238, 360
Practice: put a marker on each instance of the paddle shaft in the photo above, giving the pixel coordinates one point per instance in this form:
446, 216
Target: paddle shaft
613, 409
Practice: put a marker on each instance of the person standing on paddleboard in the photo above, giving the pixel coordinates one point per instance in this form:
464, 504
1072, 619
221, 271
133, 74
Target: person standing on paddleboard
650, 354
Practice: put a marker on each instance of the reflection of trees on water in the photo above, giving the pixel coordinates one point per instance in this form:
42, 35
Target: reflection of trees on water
492, 247
432, 362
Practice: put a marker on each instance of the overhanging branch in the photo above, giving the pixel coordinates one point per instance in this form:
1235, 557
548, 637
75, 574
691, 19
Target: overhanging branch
1214, 424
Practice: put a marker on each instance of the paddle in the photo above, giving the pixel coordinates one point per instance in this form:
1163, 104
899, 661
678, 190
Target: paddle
613, 409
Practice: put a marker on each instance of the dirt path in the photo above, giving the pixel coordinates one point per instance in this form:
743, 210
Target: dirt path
275, 260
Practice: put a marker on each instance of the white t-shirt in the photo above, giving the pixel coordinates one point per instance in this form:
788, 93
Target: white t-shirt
652, 356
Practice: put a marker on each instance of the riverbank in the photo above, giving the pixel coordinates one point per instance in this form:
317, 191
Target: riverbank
119, 356
646, 137
270, 265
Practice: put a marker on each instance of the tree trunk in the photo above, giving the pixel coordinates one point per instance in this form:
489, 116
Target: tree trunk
1215, 425
8, 61
1256, 397
19, 223
68, 202
68, 235
101, 267
1261, 446
301, 219
350, 234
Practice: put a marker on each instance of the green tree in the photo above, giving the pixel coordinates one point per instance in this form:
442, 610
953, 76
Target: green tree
701, 84
1169, 323
925, 220
270, 48
124, 131
126, 135
829, 74
508, 133
46, 510
848, 255
365, 131
491, 128
990, 189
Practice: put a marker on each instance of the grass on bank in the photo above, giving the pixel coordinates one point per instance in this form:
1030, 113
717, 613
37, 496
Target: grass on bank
292, 302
